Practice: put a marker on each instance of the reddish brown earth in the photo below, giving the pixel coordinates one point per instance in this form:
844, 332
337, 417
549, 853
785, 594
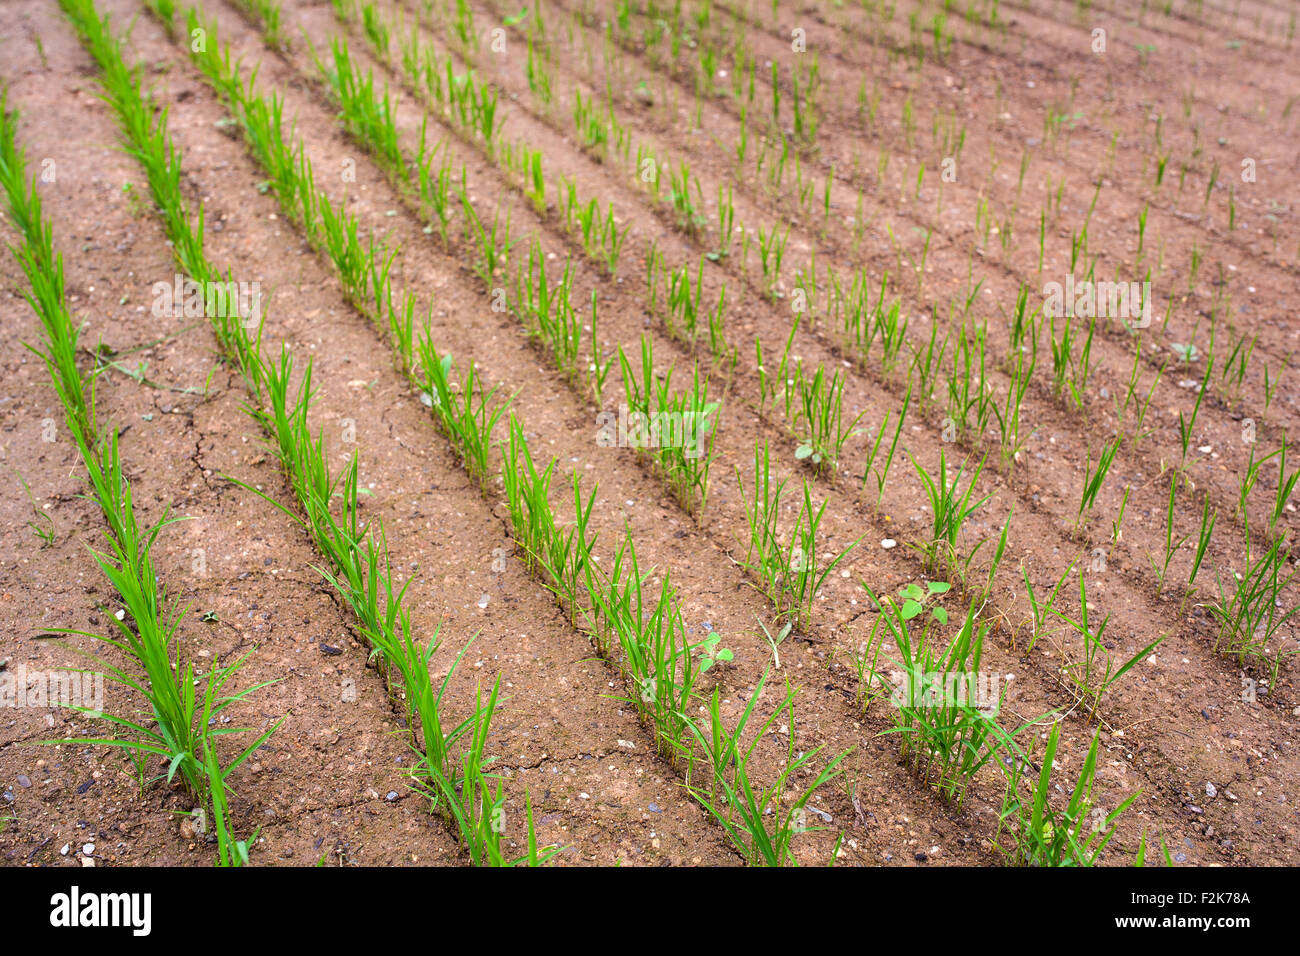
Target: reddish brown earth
331, 783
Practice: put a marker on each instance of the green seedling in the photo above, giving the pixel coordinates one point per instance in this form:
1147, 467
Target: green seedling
761, 821
712, 652
1043, 836
950, 507
916, 600
1095, 673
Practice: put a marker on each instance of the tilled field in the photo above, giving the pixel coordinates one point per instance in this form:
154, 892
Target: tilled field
880, 247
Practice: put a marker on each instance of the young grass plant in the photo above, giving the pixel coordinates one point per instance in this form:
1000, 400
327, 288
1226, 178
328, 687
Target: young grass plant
819, 417
946, 720
1172, 544
677, 430
466, 415
1096, 672
950, 507
1039, 610
882, 474
1041, 835
1010, 425
788, 574
656, 655
493, 252
1093, 479
367, 116
551, 319
147, 634
43, 268
761, 821
527, 492
1248, 608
